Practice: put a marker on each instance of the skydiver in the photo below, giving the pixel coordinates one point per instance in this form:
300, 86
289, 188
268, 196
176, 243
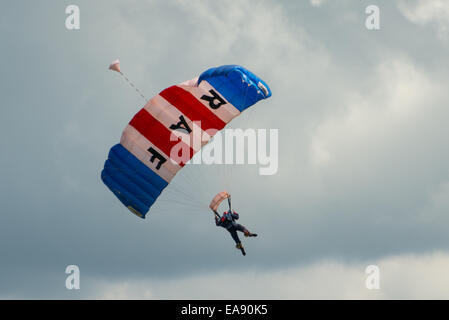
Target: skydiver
227, 221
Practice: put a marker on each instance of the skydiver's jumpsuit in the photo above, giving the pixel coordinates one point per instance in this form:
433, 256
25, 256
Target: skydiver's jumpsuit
227, 221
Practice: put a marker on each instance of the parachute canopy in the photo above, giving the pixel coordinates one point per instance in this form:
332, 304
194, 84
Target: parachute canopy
115, 66
215, 203
143, 164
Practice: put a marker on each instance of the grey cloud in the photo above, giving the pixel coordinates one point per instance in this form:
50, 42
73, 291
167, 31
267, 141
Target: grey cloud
361, 117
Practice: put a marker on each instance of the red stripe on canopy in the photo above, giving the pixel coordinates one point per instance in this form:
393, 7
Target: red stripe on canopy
185, 102
156, 132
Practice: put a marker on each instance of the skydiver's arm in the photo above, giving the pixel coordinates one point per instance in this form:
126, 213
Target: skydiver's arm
229, 202
217, 216
218, 221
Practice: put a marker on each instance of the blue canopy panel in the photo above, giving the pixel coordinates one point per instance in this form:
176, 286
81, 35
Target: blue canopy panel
134, 184
237, 85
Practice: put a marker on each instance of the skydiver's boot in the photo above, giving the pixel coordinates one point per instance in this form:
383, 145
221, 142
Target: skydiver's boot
249, 234
240, 246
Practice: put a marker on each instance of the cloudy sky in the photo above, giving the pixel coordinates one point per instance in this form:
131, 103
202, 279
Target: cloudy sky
363, 173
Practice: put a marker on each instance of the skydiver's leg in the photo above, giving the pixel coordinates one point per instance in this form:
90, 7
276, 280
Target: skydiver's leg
238, 244
241, 228
234, 235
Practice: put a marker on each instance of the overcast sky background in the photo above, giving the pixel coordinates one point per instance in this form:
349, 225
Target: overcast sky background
363, 150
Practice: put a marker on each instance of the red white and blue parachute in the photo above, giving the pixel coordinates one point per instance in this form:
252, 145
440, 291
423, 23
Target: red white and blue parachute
143, 163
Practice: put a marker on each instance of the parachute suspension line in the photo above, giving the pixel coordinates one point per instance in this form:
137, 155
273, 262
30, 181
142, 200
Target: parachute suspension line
223, 168
189, 179
192, 181
177, 194
227, 177
182, 203
223, 175
188, 197
132, 85
175, 200
170, 207
190, 176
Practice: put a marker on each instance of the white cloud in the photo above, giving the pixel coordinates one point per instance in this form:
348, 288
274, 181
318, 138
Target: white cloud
424, 12
401, 277
401, 95
317, 3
